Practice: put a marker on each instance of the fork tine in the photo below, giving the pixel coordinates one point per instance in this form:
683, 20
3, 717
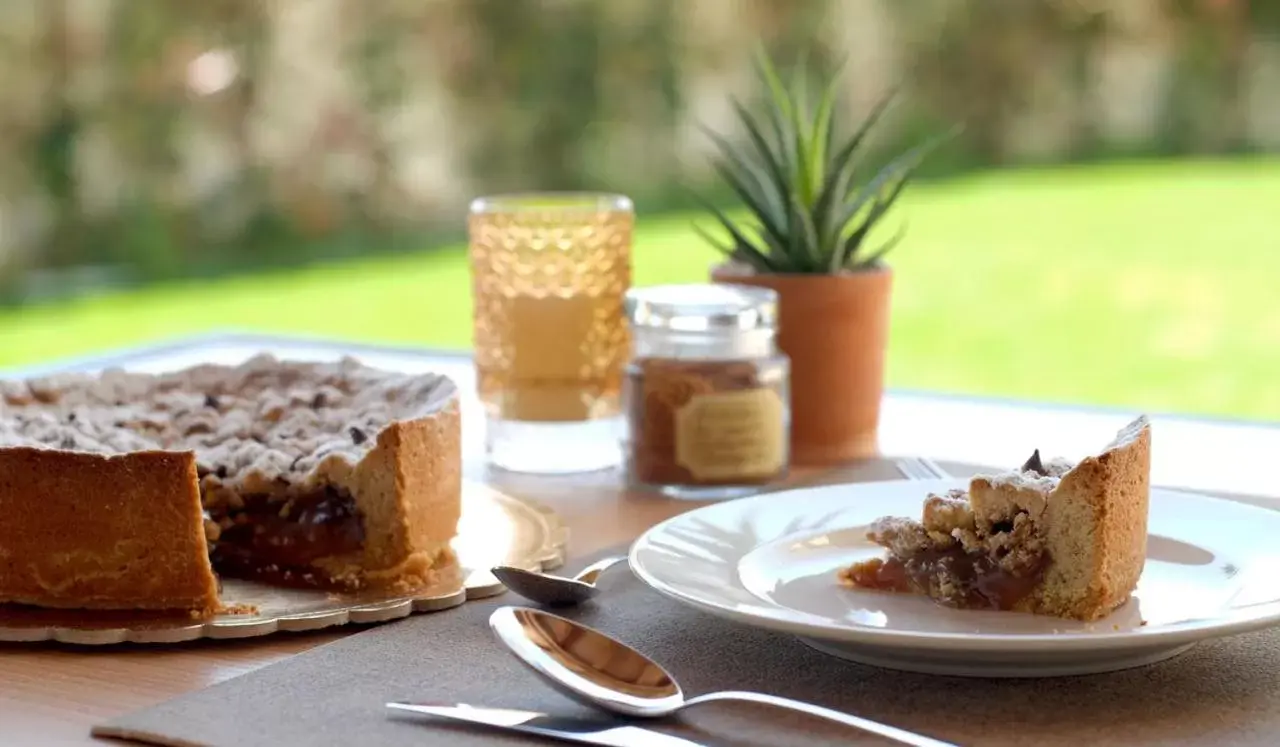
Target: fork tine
920, 468
907, 467
934, 468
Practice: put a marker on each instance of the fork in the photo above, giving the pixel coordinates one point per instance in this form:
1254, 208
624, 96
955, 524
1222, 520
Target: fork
920, 468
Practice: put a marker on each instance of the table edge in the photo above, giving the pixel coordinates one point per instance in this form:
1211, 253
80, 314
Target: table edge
122, 356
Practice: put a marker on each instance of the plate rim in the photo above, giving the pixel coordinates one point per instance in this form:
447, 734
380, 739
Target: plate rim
1244, 620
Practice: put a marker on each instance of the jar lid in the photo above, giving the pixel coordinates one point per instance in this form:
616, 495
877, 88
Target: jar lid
712, 307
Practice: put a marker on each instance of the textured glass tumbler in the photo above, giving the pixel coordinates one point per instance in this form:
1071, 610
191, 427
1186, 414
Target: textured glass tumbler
549, 272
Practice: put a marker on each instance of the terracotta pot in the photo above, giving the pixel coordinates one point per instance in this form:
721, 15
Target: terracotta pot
835, 329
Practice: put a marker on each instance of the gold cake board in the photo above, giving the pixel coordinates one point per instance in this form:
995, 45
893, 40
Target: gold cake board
495, 528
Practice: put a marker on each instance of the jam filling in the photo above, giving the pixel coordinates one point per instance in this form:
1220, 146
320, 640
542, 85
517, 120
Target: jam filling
953, 577
280, 540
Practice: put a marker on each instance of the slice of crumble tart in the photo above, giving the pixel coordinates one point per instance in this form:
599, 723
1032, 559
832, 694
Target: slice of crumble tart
1050, 538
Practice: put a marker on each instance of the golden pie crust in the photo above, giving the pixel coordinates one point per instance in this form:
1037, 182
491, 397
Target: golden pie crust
116, 489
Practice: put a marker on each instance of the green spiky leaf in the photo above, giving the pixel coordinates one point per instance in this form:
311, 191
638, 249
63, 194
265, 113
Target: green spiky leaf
782, 116
738, 251
840, 173
743, 248
875, 256
879, 207
776, 187
782, 102
754, 188
807, 235
820, 137
772, 159
881, 193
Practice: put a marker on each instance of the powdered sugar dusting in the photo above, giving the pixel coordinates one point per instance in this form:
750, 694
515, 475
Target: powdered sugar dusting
1059, 466
1023, 480
1054, 469
1129, 433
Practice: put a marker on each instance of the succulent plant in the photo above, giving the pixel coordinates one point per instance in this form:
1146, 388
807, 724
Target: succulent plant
807, 211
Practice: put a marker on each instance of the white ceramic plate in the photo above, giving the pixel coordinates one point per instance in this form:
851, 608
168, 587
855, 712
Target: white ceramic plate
1213, 569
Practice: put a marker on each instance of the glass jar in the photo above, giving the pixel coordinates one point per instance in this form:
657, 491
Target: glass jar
706, 393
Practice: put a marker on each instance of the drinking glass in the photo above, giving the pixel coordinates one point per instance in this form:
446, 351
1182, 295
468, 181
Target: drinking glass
549, 272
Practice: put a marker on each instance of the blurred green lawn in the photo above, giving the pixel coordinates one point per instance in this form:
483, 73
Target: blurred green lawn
1141, 285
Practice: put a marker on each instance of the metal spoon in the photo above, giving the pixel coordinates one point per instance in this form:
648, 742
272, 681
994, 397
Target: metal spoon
545, 588
597, 670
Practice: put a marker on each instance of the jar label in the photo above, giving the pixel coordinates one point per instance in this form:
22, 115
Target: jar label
729, 435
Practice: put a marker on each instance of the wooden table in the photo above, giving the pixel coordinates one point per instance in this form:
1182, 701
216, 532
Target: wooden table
51, 694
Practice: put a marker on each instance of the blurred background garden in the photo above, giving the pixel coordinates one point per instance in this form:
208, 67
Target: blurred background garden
1105, 230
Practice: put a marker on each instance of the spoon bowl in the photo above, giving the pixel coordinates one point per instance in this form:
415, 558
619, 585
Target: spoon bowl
598, 670
551, 590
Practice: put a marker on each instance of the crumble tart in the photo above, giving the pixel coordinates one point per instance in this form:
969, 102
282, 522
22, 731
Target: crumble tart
134, 491
1051, 537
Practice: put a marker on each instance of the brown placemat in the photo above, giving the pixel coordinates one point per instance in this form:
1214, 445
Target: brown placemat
1222, 693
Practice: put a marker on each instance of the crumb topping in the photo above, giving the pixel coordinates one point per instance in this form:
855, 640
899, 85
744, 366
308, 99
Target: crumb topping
265, 427
943, 513
953, 557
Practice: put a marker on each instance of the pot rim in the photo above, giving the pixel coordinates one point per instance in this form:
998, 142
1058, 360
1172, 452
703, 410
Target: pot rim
730, 270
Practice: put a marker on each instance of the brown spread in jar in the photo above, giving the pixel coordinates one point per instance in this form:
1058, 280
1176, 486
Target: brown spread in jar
704, 423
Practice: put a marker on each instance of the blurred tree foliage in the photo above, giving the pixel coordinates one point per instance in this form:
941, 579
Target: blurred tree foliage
533, 89
977, 64
164, 138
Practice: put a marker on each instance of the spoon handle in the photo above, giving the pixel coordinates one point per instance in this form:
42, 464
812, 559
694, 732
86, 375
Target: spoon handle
890, 732
593, 571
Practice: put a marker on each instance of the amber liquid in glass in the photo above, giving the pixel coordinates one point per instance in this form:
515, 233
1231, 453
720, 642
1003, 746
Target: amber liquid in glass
550, 335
